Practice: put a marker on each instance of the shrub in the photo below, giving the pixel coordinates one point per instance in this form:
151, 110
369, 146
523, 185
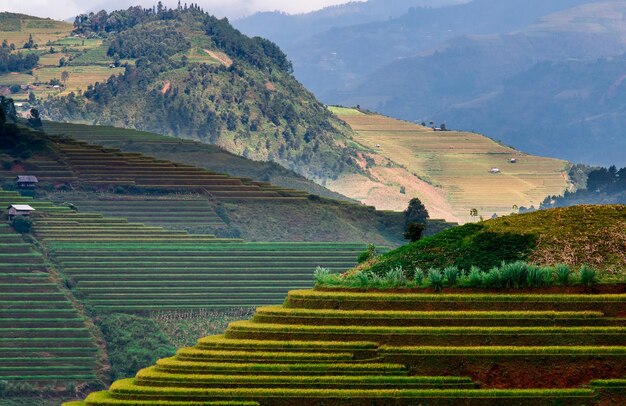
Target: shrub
395, 278
368, 254
587, 276
474, 278
435, 279
514, 274
563, 273
132, 343
321, 275
534, 276
22, 224
418, 276
451, 275
493, 278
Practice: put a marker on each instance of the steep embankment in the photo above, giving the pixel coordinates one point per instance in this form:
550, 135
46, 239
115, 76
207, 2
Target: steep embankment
577, 235
448, 170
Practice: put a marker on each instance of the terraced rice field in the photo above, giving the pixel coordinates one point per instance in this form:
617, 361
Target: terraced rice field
459, 163
345, 348
132, 267
167, 211
107, 167
43, 339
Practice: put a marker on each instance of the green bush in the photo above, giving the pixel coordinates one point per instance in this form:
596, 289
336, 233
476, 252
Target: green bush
474, 278
435, 279
132, 343
451, 274
22, 224
587, 276
563, 273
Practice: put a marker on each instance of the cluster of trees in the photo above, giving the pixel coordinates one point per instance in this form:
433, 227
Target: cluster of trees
415, 218
10, 62
604, 186
257, 51
148, 43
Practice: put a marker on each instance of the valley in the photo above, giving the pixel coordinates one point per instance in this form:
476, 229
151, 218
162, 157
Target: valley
184, 223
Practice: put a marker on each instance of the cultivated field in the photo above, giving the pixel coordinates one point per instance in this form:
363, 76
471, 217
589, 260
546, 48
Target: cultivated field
459, 163
344, 348
44, 341
16, 29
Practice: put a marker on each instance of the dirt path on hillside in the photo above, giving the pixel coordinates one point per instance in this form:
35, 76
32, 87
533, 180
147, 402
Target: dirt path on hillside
221, 57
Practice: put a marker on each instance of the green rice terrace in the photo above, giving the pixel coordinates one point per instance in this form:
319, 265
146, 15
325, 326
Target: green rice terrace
558, 337
158, 192
118, 266
347, 348
44, 340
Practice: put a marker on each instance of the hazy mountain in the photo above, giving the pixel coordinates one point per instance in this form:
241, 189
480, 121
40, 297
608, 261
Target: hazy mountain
534, 88
287, 30
347, 46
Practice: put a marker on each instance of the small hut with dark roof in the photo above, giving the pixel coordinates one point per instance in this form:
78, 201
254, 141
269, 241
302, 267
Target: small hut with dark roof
26, 181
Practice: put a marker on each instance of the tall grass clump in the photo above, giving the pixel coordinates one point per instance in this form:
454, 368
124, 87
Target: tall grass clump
474, 278
322, 275
587, 276
563, 273
451, 275
435, 279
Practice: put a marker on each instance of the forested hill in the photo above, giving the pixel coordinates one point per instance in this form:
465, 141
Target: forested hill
192, 75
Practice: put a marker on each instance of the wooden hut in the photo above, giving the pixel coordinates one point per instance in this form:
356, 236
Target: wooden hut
19, 210
26, 181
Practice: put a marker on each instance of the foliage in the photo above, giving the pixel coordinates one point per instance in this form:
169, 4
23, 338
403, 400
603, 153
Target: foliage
132, 343
22, 224
184, 328
368, 254
587, 276
413, 231
573, 235
514, 275
603, 186
11, 62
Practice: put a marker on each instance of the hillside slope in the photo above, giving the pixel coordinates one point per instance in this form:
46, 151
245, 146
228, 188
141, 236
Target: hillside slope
362, 349
574, 235
71, 171
188, 74
210, 157
448, 170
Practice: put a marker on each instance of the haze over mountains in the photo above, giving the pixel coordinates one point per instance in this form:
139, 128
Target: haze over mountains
544, 77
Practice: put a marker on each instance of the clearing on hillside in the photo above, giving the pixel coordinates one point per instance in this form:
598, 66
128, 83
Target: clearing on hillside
459, 163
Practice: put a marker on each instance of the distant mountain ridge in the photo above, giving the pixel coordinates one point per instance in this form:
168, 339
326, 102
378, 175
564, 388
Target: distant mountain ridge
471, 66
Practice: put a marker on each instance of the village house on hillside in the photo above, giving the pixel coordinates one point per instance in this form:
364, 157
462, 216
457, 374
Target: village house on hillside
26, 181
19, 210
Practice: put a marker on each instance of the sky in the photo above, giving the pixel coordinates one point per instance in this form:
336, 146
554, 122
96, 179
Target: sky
64, 9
